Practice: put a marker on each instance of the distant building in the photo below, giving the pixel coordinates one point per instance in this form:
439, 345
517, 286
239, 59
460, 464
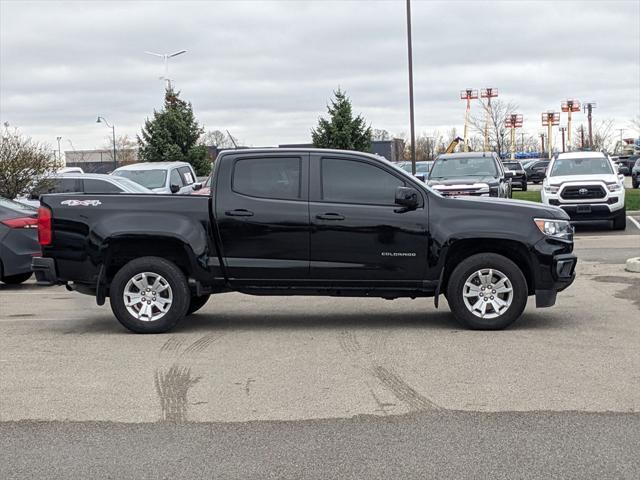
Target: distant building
390, 149
99, 161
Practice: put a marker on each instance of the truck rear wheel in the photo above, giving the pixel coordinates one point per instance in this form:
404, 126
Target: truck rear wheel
149, 295
487, 292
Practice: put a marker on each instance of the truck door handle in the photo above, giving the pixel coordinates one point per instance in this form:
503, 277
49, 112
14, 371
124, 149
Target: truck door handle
239, 212
330, 216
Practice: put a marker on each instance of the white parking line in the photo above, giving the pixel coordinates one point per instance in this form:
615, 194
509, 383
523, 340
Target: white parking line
635, 222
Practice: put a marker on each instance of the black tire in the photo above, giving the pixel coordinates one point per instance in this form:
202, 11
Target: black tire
16, 279
635, 183
524, 186
179, 289
197, 303
455, 290
536, 182
620, 221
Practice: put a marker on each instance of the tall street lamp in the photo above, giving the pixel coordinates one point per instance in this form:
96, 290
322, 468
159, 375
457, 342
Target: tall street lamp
113, 132
411, 117
59, 152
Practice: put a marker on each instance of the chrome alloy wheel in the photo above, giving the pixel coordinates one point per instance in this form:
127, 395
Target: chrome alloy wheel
147, 296
487, 293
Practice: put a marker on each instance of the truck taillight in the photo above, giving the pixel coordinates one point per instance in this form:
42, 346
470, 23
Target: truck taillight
21, 222
44, 226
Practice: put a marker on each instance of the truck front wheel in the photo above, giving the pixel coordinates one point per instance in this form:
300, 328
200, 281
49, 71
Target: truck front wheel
487, 292
149, 295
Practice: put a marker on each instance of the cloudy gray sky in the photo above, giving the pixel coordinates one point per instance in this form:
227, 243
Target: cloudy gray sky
265, 70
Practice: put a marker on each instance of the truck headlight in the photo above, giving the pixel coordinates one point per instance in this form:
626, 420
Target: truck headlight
551, 189
614, 187
555, 228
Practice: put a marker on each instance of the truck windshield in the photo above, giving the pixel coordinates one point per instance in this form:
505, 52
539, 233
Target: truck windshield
464, 167
146, 178
581, 166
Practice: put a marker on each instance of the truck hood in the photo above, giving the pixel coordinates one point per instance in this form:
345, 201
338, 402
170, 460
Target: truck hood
488, 179
528, 209
557, 180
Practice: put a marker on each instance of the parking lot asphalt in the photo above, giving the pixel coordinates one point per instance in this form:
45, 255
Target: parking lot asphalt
338, 386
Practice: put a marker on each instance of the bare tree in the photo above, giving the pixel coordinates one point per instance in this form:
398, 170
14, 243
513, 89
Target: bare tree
635, 124
603, 136
217, 138
496, 115
24, 164
380, 134
126, 150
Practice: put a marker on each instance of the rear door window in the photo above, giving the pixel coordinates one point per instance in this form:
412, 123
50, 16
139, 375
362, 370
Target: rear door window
271, 177
100, 186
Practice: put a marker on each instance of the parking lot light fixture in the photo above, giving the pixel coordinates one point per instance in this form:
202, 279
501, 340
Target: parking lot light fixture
488, 93
570, 106
512, 122
562, 130
588, 107
549, 119
113, 133
468, 95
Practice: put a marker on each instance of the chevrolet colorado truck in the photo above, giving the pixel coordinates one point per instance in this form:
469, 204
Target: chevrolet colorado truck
305, 222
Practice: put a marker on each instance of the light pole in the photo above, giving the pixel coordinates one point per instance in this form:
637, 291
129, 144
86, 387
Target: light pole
488, 93
549, 119
562, 130
59, 152
568, 107
512, 122
113, 132
165, 57
589, 108
468, 95
411, 116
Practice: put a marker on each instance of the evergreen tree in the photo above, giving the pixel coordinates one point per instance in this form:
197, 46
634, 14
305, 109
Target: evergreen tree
341, 130
172, 135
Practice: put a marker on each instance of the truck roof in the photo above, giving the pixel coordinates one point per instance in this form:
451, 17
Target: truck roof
299, 150
581, 155
466, 155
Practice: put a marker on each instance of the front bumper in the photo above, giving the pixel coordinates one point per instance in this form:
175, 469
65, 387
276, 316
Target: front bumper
578, 213
555, 270
45, 270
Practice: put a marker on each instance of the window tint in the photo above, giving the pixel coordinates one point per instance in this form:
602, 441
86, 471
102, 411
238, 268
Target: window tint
187, 176
348, 181
175, 178
268, 177
99, 186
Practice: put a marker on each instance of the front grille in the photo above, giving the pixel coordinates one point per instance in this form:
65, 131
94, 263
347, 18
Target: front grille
456, 193
586, 192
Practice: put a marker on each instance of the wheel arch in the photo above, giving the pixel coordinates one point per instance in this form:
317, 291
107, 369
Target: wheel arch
515, 251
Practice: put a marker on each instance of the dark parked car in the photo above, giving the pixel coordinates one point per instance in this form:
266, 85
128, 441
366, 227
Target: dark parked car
536, 171
478, 174
18, 241
305, 222
519, 175
85, 183
635, 174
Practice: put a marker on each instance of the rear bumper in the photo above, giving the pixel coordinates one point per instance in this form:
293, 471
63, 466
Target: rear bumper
45, 270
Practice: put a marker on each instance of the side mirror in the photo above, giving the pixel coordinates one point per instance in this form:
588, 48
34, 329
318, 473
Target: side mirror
174, 188
407, 197
33, 195
509, 174
196, 186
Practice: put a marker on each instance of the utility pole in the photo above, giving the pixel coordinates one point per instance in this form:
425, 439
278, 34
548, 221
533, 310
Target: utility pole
568, 107
411, 116
513, 121
563, 129
542, 135
589, 107
582, 137
621, 130
468, 95
59, 151
522, 145
488, 93
549, 119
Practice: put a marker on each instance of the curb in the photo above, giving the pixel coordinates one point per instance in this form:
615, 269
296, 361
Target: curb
633, 265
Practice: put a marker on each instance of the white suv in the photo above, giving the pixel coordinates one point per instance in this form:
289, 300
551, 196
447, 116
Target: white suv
586, 186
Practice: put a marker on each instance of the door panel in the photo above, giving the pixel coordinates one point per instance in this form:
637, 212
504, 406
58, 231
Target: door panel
371, 239
263, 217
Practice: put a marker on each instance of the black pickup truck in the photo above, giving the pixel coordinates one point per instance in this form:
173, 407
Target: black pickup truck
304, 222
